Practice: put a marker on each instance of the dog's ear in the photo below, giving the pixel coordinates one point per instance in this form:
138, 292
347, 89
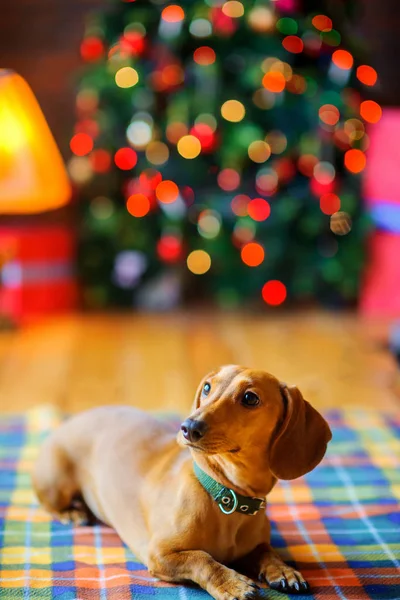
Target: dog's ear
301, 440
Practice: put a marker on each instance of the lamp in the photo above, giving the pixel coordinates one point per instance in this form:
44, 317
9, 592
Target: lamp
32, 174
37, 253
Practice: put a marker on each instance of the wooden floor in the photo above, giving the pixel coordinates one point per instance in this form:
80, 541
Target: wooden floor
156, 361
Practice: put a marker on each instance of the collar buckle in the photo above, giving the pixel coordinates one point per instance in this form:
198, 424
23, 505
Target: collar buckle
226, 501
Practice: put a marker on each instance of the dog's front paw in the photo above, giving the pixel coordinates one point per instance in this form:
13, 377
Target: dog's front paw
284, 579
236, 587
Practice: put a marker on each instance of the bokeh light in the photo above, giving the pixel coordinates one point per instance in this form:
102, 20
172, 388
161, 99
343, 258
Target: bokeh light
101, 208
259, 151
200, 28
293, 44
233, 110
100, 160
125, 159
322, 23
189, 146
306, 164
370, 111
205, 135
92, 49
167, 191
80, 169
169, 248
204, 56
173, 13
126, 77
287, 26
354, 129
274, 81
329, 203
252, 254
367, 75
261, 19
157, 153
274, 292
244, 232
228, 179
266, 181
329, 114
342, 59
139, 132
175, 131
324, 172
258, 209
340, 223
239, 205
199, 262
81, 144
233, 9
355, 160
209, 224
138, 205
277, 141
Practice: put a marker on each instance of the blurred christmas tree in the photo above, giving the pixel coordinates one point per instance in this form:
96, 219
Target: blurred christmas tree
213, 143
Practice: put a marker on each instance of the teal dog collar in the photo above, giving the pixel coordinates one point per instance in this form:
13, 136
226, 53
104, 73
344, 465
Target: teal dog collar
228, 500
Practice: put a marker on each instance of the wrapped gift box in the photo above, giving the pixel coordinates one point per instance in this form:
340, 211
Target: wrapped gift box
36, 271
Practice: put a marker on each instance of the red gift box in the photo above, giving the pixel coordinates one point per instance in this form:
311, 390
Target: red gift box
36, 271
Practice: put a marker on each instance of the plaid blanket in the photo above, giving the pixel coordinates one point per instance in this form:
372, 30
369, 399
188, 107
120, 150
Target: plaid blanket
340, 524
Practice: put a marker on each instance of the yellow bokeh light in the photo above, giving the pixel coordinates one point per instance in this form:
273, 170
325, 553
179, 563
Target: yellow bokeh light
261, 19
189, 146
157, 153
198, 262
233, 8
126, 77
259, 151
233, 110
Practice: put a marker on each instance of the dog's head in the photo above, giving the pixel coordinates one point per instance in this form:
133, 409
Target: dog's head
236, 409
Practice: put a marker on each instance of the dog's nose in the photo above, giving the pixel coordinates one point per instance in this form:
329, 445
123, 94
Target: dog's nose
193, 430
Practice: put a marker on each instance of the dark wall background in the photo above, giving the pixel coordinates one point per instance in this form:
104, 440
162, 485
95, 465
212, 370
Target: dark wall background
40, 39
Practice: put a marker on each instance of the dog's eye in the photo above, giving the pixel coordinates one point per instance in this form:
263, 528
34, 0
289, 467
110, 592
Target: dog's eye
206, 389
250, 399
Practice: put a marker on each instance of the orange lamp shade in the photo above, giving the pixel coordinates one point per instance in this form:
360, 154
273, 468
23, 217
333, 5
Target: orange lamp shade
33, 178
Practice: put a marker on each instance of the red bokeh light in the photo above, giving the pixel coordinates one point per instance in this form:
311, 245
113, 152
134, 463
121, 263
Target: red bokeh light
92, 49
293, 44
205, 135
169, 248
367, 75
329, 203
274, 292
228, 179
204, 56
259, 209
100, 161
81, 144
125, 159
322, 23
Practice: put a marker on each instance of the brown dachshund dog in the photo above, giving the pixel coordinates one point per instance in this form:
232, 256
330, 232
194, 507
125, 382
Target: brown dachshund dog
191, 508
